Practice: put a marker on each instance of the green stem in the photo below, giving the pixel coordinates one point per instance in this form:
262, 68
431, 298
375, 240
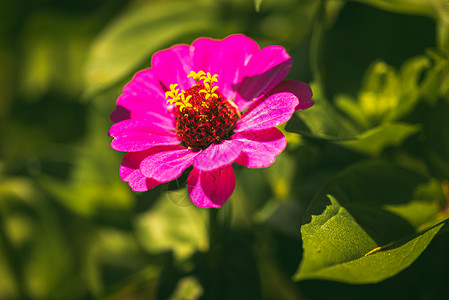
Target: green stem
213, 229
13, 263
219, 228
213, 288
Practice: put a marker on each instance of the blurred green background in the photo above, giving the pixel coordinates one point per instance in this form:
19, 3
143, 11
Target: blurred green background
71, 229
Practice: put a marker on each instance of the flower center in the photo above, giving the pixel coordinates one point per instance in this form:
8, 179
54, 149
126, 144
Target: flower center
203, 115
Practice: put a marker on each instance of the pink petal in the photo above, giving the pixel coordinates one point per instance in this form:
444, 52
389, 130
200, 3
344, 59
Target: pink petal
120, 113
130, 172
139, 141
265, 70
143, 111
202, 50
300, 89
137, 135
218, 155
167, 164
141, 95
260, 147
173, 65
211, 189
226, 58
268, 112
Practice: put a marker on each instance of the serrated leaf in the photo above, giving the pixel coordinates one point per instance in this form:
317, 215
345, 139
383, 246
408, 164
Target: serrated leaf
131, 39
373, 141
358, 260
372, 227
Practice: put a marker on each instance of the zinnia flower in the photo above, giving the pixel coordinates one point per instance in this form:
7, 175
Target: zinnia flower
208, 104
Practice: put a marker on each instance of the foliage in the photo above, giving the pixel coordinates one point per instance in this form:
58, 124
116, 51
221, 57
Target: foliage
355, 208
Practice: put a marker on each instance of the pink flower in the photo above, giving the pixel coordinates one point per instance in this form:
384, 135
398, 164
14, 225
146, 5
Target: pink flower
208, 104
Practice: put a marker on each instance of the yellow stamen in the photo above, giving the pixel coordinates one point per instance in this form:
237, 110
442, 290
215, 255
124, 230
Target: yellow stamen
207, 78
208, 83
196, 76
177, 98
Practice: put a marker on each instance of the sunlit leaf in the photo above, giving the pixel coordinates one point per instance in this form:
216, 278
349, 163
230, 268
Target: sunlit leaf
373, 141
257, 4
130, 40
443, 35
54, 49
188, 289
351, 108
169, 227
30, 228
333, 252
380, 91
95, 186
388, 95
436, 83
410, 74
376, 215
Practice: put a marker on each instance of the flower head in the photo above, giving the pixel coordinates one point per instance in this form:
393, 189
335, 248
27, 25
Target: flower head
205, 105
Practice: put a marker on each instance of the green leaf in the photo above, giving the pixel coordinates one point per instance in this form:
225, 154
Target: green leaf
436, 83
443, 35
352, 109
257, 4
94, 187
372, 227
410, 73
188, 289
386, 95
54, 47
415, 7
131, 39
380, 91
373, 141
350, 256
437, 140
170, 227
33, 241
321, 121
140, 286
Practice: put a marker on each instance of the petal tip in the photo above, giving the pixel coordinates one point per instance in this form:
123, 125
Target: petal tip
211, 189
304, 104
